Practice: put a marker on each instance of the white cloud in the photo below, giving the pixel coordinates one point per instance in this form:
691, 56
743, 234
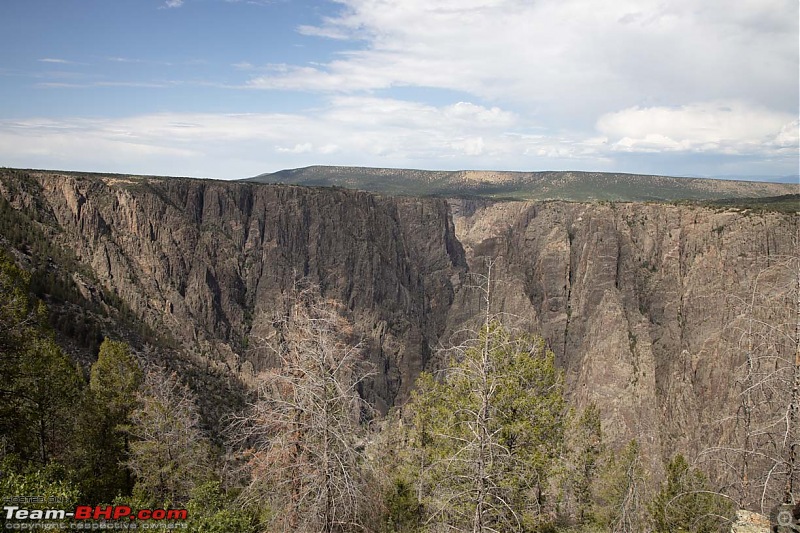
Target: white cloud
724, 127
55, 60
522, 85
371, 131
348, 130
569, 82
566, 59
789, 136
297, 149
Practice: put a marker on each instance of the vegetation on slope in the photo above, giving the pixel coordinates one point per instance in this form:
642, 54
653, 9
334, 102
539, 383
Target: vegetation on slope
575, 186
108, 442
489, 445
785, 203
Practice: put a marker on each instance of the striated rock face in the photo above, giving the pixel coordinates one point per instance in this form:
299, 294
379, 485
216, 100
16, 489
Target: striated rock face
637, 300
208, 262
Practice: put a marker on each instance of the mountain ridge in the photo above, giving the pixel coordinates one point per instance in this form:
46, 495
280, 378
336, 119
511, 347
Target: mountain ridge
518, 185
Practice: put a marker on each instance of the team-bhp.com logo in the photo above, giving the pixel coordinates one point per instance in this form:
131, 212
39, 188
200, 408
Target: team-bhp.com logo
95, 517
86, 512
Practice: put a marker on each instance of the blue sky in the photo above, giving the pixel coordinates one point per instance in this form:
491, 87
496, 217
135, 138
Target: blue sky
234, 88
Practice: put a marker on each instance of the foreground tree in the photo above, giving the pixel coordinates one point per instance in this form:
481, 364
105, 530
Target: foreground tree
304, 436
687, 503
758, 454
620, 493
40, 387
488, 434
169, 455
582, 457
103, 441
115, 380
211, 510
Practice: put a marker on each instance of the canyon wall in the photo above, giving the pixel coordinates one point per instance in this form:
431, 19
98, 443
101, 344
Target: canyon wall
643, 304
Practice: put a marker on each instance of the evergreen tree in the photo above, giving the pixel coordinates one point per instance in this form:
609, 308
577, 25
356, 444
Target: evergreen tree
687, 503
40, 388
104, 443
488, 434
211, 510
47, 392
169, 454
583, 451
620, 493
115, 380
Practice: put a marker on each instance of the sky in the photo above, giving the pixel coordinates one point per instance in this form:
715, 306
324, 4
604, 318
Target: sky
234, 88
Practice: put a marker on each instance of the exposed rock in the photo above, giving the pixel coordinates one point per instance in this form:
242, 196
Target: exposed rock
749, 522
635, 299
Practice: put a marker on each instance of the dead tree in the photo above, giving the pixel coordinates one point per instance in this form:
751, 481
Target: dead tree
760, 450
304, 435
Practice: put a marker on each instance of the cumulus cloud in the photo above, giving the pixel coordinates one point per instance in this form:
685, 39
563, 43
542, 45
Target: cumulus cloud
789, 136
373, 131
726, 127
520, 85
561, 57
601, 79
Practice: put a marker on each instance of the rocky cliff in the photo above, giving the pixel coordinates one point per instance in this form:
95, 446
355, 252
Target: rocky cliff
209, 262
644, 304
649, 307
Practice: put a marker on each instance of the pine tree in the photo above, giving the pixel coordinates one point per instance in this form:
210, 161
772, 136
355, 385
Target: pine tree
620, 494
687, 503
115, 379
583, 451
488, 434
169, 455
40, 387
103, 440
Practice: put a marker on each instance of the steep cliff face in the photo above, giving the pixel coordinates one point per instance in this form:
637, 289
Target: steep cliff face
646, 306
209, 262
642, 303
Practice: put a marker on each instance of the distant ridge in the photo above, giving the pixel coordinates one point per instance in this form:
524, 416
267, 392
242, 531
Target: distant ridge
549, 185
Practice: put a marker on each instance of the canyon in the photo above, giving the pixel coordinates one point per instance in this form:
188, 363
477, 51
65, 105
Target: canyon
652, 309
